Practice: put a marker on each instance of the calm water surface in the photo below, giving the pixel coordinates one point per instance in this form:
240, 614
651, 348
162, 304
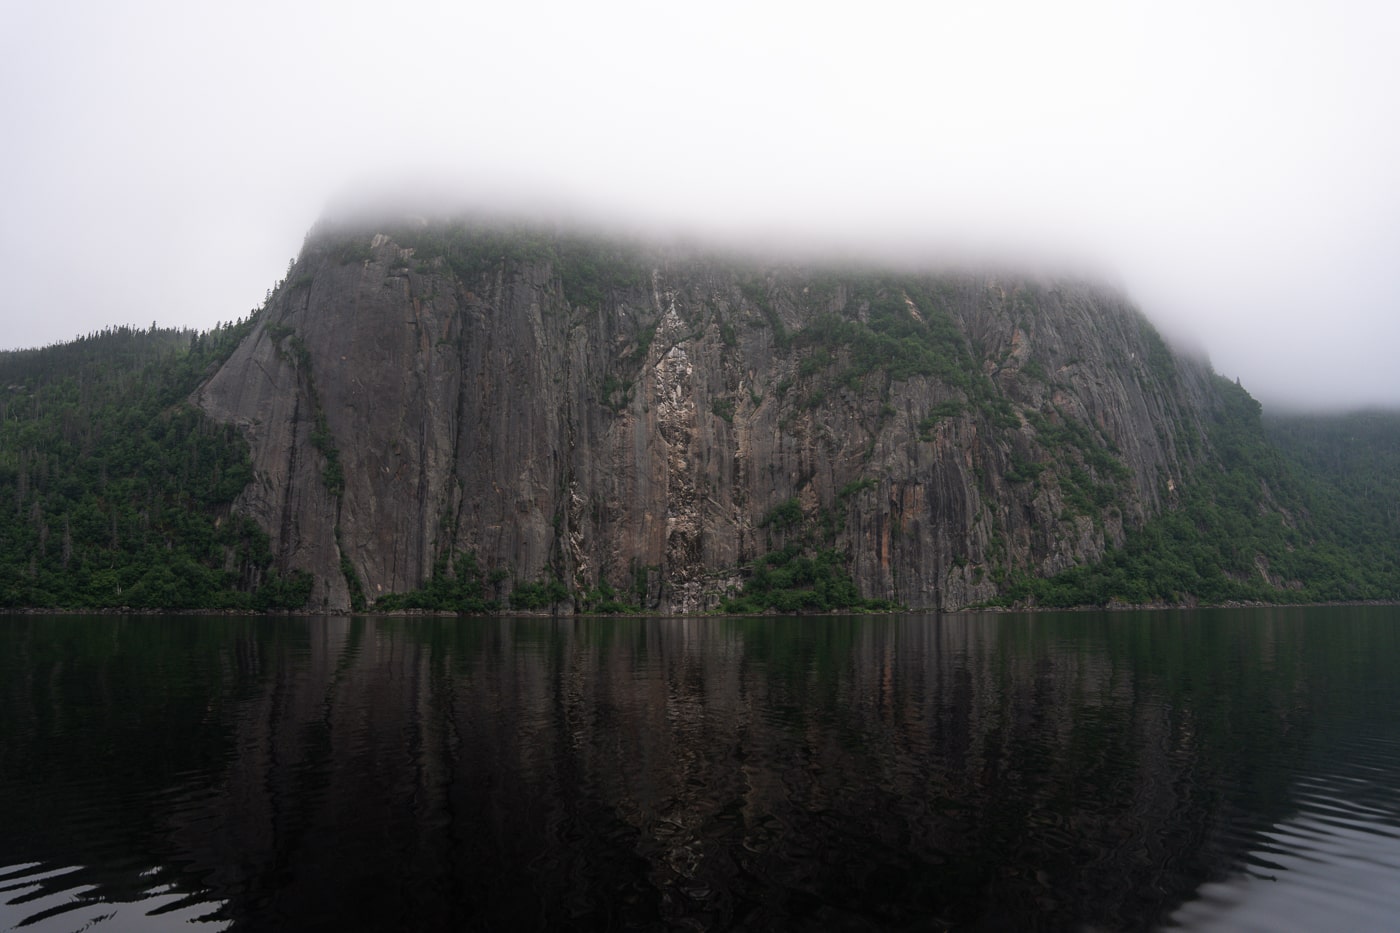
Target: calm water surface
1203, 770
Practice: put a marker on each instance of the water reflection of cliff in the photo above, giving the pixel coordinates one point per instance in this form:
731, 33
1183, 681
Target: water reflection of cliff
918, 772
885, 773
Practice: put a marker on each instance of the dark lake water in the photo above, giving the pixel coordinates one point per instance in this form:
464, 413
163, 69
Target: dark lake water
1201, 770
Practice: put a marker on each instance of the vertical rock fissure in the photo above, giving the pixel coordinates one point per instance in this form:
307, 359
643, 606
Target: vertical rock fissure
287, 519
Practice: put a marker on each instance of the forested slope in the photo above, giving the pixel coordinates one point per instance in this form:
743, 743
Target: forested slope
1351, 465
114, 491
1290, 508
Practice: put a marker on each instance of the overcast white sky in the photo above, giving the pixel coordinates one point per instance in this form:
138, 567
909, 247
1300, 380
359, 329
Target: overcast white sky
1234, 166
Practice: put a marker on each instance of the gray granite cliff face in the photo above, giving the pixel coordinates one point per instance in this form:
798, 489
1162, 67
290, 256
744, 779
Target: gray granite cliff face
660, 420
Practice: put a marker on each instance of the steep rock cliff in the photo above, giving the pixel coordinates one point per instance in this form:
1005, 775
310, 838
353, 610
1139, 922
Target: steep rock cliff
581, 411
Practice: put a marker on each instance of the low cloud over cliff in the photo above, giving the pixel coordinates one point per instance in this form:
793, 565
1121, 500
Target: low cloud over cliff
1231, 167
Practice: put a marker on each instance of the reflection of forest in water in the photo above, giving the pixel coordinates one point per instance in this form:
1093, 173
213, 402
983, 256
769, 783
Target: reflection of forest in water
917, 771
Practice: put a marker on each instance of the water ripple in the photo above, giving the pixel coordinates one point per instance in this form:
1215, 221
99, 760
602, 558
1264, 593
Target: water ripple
1332, 865
62, 899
